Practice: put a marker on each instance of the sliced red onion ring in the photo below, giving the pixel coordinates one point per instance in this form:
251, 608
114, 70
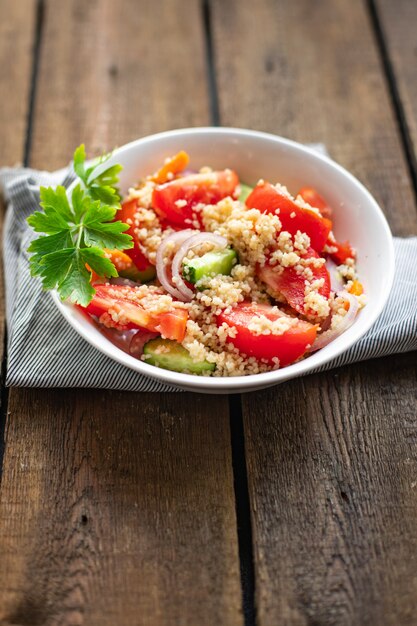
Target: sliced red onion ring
123, 281
161, 269
138, 341
121, 338
192, 242
130, 341
336, 282
347, 321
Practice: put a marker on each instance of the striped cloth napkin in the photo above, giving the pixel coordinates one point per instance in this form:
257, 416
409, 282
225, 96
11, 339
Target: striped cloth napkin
44, 351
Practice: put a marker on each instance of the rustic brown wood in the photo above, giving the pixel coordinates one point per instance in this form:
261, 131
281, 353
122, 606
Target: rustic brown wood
17, 26
17, 29
117, 508
117, 71
331, 465
398, 21
310, 71
331, 462
114, 510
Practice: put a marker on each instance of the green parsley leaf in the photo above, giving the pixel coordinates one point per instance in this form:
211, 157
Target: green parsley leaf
42, 246
100, 184
110, 176
75, 231
76, 285
79, 163
57, 215
98, 262
55, 266
100, 231
79, 202
106, 194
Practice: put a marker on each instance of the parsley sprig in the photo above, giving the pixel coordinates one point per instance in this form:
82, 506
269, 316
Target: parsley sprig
76, 231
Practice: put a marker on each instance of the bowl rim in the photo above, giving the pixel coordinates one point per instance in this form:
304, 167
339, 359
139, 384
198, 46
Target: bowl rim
264, 379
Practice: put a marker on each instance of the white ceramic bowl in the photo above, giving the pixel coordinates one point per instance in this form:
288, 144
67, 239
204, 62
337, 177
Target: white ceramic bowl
254, 155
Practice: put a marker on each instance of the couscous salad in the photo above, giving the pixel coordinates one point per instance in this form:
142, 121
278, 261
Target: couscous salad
196, 272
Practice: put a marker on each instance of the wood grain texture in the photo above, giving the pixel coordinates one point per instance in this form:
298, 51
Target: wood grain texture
17, 30
114, 511
332, 471
17, 27
331, 458
117, 508
310, 71
117, 71
398, 24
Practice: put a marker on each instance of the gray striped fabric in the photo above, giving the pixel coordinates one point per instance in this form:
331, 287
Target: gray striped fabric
44, 351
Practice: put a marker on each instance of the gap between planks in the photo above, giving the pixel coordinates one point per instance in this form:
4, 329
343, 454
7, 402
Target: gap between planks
392, 88
37, 37
237, 434
33, 89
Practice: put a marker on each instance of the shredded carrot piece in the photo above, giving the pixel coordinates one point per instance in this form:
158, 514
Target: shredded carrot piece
119, 259
94, 278
172, 166
356, 288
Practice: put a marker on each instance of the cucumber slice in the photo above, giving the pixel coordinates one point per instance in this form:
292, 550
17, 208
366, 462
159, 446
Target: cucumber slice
171, 355
245, 190
210, 264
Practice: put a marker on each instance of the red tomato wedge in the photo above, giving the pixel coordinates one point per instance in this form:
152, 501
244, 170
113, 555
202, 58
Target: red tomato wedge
344, 251
127, 215
120, 299
291, 285
313, 198
267, 199
176, 200
288, 347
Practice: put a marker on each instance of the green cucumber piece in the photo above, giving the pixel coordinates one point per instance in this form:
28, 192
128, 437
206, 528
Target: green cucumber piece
245, 190
171, 355
139, 276
210, 264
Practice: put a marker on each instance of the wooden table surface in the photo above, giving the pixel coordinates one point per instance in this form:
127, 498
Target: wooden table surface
295, 505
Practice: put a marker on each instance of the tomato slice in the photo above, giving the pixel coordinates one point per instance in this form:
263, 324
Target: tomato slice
176, 200
127, 215
291, 285
313, 198
344, 251
288, 347
267, 199
121, 300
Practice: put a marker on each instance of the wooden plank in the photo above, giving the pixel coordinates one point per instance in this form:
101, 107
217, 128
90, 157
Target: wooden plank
330, 457
116, 72
117, 508
398, 21
332, 465
304, 78
17, 27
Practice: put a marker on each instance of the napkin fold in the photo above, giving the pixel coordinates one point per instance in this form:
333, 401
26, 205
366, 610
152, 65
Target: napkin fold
45, 351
